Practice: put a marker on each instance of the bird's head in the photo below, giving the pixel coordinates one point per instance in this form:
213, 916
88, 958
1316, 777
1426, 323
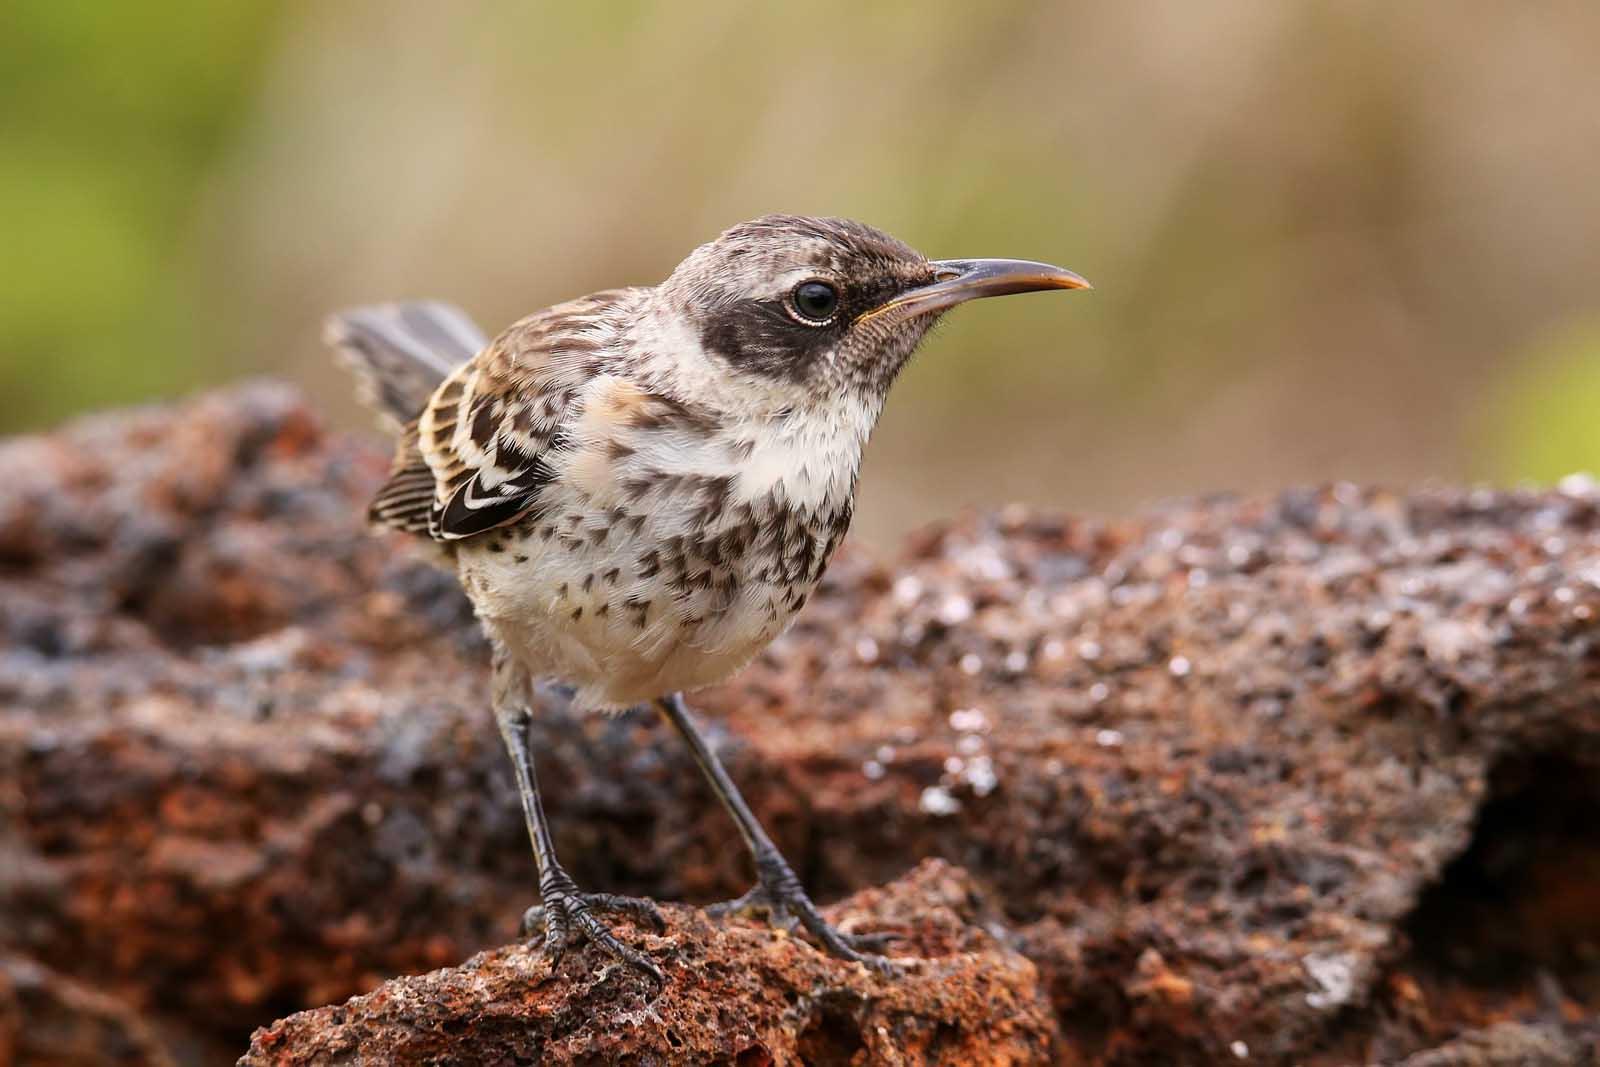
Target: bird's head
829, 306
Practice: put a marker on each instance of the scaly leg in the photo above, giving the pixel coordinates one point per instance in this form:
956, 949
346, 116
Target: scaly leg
778, 891
564, 911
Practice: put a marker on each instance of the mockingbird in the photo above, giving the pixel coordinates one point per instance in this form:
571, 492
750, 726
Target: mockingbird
639, 488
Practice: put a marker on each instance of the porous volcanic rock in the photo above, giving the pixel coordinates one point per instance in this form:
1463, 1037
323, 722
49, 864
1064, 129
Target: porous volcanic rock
1304, 779
736, 993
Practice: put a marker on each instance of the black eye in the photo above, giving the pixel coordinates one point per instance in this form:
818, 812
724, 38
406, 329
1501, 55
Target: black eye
816, 301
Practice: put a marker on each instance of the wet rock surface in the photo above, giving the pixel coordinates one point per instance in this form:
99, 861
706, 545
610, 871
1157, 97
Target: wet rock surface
1306, 779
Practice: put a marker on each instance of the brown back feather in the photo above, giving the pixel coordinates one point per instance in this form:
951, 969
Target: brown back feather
479, 454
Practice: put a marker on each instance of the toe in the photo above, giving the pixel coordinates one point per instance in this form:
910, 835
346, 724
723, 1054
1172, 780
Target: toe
876, 942
854, 947
565, 917
639, 909
556, 935
751, 901
598, 934
885, 967
756, 903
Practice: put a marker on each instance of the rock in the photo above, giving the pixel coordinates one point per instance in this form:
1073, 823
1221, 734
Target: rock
1515, 1045
1306, 779
46, 1019
736, 993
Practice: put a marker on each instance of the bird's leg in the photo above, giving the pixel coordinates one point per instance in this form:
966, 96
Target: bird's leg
565, 912
777, 891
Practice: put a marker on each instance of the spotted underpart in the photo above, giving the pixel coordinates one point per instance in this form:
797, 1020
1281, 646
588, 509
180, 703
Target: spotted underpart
641, 488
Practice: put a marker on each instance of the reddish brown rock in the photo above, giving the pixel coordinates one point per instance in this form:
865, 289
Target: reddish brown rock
1309, 778
736, 993
47, 1020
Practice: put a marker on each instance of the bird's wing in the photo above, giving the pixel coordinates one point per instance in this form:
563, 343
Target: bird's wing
481, 452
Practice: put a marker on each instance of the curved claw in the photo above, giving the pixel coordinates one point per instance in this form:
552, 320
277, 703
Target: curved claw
600, 934
791, 908
875, 942
840, 945
569, 916
883, 965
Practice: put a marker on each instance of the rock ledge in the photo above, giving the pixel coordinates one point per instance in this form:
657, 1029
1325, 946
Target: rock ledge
1307, 779
737, 993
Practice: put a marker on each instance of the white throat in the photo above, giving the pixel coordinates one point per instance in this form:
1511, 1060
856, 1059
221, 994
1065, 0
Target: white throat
775, 437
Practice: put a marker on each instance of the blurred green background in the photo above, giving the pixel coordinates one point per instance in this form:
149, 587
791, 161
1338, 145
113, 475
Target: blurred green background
1330, 240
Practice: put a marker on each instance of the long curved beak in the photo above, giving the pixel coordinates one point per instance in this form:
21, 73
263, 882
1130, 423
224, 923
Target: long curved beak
960, 280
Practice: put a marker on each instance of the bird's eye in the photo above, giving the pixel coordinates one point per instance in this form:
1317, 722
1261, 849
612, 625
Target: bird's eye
815, 301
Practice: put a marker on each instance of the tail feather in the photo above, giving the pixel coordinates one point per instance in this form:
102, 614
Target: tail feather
400, 353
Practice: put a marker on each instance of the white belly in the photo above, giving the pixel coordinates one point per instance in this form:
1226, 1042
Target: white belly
621, 625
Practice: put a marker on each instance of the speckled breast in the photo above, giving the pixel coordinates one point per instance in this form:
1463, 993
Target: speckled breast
631, 603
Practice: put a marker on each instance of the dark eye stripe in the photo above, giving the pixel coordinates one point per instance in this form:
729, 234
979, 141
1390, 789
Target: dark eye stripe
768, 337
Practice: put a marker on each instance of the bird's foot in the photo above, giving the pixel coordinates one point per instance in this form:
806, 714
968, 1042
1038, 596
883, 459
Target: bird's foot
567, 915
783, 900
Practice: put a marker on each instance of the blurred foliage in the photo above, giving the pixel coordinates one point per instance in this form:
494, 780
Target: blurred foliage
112, 116
1325, 237
1546, 420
